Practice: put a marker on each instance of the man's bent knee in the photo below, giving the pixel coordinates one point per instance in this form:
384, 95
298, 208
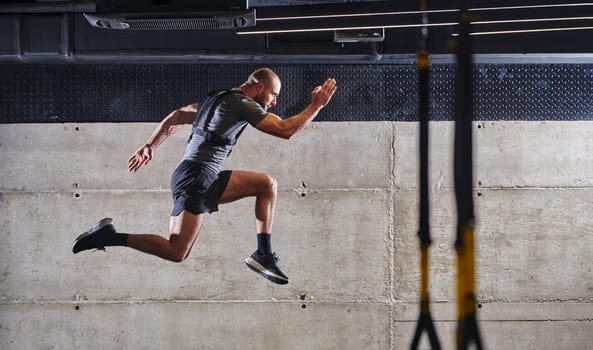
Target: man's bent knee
178, 253
271, 185
177, 258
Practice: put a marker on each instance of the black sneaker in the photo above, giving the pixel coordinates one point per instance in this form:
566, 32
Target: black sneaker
265, 265
91, 239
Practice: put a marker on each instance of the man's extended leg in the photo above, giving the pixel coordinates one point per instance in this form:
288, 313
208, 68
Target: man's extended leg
183, 228
265, 189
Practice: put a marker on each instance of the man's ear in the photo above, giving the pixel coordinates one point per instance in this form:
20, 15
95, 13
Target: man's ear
259, 87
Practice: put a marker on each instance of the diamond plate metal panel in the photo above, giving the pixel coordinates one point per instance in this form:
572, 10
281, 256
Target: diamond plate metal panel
42, 93
534, 92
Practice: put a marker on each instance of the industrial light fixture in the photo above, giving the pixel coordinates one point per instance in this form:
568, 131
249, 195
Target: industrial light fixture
173, 21
171, 15
534, 30
379, 20
344, 28
359, 36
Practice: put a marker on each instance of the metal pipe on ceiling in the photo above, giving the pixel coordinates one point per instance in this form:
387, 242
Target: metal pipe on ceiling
48, 7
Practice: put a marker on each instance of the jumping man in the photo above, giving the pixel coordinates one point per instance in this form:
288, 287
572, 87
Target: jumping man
198, 185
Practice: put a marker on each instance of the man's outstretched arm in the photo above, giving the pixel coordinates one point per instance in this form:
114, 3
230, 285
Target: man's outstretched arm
166, 128
286, 128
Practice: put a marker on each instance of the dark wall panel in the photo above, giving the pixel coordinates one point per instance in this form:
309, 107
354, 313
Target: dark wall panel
48, 93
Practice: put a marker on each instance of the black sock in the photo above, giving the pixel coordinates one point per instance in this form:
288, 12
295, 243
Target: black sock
264, 243
115, 239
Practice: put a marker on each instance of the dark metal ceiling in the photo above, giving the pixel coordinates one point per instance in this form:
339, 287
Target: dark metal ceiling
48, 30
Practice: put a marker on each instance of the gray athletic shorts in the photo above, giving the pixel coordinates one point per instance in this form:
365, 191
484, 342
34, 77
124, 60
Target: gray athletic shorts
197, 189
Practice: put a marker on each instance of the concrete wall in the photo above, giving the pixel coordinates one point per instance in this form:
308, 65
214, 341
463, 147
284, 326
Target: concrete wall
345, 233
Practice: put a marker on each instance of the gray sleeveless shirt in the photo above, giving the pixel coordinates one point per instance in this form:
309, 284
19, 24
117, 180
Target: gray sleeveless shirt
231, 114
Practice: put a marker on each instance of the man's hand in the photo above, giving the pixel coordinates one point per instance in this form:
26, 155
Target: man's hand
141, 157
322, 94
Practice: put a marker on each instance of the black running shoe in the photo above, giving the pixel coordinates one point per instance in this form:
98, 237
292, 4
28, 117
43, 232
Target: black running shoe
265, 265
91, 239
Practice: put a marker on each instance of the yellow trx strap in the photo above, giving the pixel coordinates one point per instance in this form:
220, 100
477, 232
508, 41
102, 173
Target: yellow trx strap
423, 63
467, 328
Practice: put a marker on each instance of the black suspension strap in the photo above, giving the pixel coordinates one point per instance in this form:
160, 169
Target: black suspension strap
425, 322
467, 327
